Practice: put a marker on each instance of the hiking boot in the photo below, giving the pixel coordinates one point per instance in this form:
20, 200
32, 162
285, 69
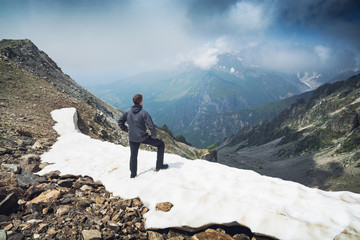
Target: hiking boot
164, 166
132, 175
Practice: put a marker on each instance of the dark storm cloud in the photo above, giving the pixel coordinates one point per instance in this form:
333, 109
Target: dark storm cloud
339, 20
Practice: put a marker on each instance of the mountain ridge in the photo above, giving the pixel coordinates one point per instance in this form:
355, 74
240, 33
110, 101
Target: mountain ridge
23, 54
314, 142
179, 98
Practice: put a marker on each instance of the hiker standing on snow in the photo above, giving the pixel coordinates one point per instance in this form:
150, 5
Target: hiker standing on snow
138, 119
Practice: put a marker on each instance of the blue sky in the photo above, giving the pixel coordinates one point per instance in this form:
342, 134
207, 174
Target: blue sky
103, 40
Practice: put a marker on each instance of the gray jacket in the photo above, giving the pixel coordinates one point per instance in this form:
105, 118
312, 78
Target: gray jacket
137, 119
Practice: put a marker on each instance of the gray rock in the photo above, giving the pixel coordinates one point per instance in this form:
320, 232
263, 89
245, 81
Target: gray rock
24, 143
12, 168
91, 234
27, 178
17, 236
3, 235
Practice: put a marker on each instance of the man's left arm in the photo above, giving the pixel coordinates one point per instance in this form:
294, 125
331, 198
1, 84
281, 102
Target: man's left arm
121, 122
149, 122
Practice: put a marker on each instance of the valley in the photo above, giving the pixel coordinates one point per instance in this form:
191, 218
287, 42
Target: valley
207, 106
315, 142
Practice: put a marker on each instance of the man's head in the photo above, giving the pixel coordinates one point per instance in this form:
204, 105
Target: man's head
137, 99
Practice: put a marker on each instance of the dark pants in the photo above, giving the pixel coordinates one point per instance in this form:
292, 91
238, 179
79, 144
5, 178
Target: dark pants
134, 149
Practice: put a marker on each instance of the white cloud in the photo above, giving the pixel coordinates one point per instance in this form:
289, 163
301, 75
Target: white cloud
248, 17
322, 52
206, 56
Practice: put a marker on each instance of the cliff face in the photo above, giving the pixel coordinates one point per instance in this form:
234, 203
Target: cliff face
33, 85
323, 129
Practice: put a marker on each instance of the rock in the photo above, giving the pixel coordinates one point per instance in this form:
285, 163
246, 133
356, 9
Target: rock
241, 236
4, 218
30, 158
144, 210
165, 206
66, 183
8, 227
176, 238
83, 203
24, 143
34, 191
86, 188
63, 210
155, 236
3, 235
51, 231
126, 202
4, 151
17, 236
36, 236
136, 202
12, 168
30, 163
211, 234
9, 204
91, 234
105, 219
46, 196
8, 180
113, 226
37, 145
27, 178
42, 227
53, 174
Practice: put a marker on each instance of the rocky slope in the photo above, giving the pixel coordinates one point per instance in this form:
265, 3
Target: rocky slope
33, 85
315, 142
214, 128
63, 207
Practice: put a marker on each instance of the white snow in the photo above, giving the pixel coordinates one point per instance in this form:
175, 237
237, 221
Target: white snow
309, 79
203, 192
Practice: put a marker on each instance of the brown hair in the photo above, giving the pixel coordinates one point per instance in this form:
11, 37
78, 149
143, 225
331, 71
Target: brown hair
137, 98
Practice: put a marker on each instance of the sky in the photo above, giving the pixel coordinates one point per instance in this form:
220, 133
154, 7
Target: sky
96, 41
204, 192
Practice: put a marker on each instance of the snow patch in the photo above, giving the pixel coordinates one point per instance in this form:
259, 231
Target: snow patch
203, 192
309, 79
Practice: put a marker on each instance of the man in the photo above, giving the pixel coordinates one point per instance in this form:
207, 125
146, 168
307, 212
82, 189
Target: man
138, 119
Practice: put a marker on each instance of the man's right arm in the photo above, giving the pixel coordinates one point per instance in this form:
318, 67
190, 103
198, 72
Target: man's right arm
122, 121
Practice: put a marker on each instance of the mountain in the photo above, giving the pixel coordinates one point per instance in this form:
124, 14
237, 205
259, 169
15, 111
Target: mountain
183, 99
315, 79
58, 205
314, 142
214, 128
32, 85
